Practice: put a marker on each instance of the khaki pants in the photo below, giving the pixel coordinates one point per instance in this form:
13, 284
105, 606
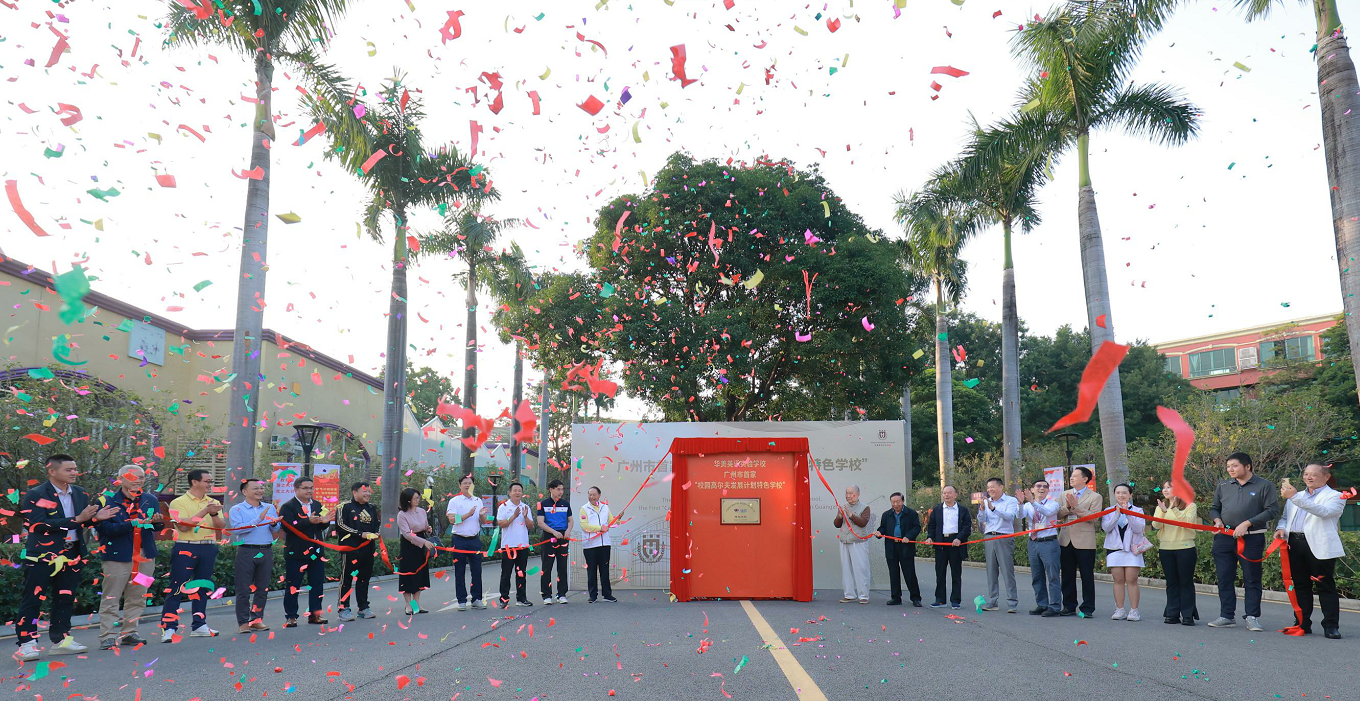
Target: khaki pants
118, 584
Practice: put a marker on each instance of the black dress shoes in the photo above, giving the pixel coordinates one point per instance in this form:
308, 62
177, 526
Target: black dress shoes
1172, 620
1332, 633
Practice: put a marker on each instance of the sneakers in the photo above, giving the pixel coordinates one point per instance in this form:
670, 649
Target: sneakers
548, 600
28, 651
108, 643
479, 604
956, 607
562, 599
1051, 613
460, 606
938, 605
991, 607
612, 600
202, 631
168, 634
67, 646
1133, 615
523, 602
1222, 622
1119, 615
345, 615
131, 639
1011, 610
1254, 624
848, 600
365, 613
591, 600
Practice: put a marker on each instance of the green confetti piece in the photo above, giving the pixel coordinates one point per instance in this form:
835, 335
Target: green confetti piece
53, 154
199, 287
540, 16
200, 584
40, 374
740, 665
40, 670
607, 291
943, 336
415, 605
532, 571
72, 288
103, 195
125, 326
979, 601
971, 383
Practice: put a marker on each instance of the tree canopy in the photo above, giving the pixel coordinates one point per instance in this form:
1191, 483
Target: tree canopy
733, 293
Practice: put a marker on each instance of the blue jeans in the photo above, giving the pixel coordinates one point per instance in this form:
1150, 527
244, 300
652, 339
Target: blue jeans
188, 563
1045, 570
463, 561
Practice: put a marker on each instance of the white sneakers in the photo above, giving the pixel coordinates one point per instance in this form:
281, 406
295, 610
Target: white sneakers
28, 651
1119, 615
68, 646
549, 601
346, 615
561, 599
1122, 615
462, 606
202, 631
1133, 615
168, 634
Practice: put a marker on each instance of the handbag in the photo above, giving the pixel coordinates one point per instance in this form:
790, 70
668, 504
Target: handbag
1140, 545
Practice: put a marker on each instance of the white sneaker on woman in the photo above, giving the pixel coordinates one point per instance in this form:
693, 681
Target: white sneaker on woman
28, 651
1133, 615
1119, 615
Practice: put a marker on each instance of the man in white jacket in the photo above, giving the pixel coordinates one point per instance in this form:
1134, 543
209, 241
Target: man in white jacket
1311, 525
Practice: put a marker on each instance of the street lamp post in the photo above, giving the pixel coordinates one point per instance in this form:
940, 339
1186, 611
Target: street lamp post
306, 436
1067, 437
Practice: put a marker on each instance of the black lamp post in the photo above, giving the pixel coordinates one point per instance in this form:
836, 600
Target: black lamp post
1067, 437
306, 436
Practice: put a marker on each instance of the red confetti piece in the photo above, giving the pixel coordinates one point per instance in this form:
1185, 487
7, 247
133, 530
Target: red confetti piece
40, 439
256, 174
592, 106
678, 65
451, 29
1185, 438
402, 681
12, 191
949, 71
494, 682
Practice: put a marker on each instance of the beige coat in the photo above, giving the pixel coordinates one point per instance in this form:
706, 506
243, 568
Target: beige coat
1082, 535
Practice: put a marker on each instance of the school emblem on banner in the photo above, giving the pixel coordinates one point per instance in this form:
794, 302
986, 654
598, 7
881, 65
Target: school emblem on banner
651, 548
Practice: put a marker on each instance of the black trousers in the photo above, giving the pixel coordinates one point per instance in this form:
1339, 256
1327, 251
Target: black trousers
516, 562
902, 563
1179, 568
1073, 561
597, 569
1303, 568
1225, 566
949, 557
357, 572
294, 571
554, 553
42, 583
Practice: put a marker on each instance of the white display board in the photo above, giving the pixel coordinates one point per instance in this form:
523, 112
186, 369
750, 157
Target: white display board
618, 457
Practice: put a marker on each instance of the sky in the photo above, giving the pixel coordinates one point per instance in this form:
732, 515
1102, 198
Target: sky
1230, 230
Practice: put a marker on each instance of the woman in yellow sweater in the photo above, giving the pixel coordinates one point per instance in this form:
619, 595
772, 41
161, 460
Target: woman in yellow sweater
1176, 548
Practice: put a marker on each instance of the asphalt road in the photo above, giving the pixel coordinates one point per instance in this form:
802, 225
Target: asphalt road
647, 647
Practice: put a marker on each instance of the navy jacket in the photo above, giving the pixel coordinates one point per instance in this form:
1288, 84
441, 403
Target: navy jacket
936, 524
911, 526
115, 534
47, 522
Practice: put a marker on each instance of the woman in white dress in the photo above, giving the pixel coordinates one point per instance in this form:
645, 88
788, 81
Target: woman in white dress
1122, 533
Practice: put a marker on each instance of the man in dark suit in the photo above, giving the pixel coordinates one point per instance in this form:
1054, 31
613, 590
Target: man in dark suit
901, 522
949, 525
56, 513
304, 515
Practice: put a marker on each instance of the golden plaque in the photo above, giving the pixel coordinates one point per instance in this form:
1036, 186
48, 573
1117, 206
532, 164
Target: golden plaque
740, 512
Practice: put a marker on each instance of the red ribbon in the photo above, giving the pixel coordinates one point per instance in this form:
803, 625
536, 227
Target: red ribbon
1098, 370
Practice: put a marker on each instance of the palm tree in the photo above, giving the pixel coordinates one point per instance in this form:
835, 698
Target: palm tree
471, 234
511, 283
1001, 192
936, 229
1083, 54
267, 32
1337, 89
408, 176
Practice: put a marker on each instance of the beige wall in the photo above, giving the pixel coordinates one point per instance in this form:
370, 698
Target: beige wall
187, 375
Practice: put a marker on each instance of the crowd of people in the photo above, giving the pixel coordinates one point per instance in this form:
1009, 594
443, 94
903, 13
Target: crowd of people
1062, 540
1061, 544
58, 513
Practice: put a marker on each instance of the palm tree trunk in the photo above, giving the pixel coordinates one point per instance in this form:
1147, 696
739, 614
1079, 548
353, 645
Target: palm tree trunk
248, 337
944, 389
516, 398
544, 426
1099, 319
394, 389
1337, 88
470, 356
906, 433
1010, 364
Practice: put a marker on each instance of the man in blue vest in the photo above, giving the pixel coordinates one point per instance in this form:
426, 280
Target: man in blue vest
554, 520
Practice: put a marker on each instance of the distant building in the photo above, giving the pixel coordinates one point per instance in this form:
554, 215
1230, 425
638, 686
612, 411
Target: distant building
1232, 362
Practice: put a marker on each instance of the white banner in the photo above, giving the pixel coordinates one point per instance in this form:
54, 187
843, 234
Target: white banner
618, 457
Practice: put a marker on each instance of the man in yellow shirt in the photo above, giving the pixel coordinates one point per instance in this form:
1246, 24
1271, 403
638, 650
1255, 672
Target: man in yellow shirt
197, 518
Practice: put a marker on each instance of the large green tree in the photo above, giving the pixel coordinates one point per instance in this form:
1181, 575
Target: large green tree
697, 294
265, 32
428, 389
408, 175
1082, 55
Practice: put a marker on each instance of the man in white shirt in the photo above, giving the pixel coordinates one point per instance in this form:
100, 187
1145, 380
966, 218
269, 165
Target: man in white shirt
996, 517
1041, 510
514, 518
466, 514
1311, 525
949, 525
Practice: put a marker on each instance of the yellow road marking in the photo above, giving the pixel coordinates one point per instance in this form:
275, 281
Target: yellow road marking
794, 672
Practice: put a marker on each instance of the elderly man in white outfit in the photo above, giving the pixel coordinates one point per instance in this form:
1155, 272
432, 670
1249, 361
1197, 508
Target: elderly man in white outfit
1311, 524
853, 522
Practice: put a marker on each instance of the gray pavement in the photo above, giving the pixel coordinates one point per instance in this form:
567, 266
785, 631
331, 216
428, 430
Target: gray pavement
647, 647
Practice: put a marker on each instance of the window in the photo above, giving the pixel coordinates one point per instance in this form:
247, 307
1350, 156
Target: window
1215, 362
1173, 366
1300, 348
1224, 396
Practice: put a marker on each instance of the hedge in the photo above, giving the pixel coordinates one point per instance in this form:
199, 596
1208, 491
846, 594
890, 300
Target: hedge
1347, 569
87, 595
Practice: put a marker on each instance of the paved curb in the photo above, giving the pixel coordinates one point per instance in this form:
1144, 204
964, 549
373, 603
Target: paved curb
1278, 597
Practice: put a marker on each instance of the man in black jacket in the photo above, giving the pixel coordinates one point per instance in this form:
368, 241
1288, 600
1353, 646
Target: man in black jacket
358, 524
56, 513
901, 522
949, 523
300, 555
